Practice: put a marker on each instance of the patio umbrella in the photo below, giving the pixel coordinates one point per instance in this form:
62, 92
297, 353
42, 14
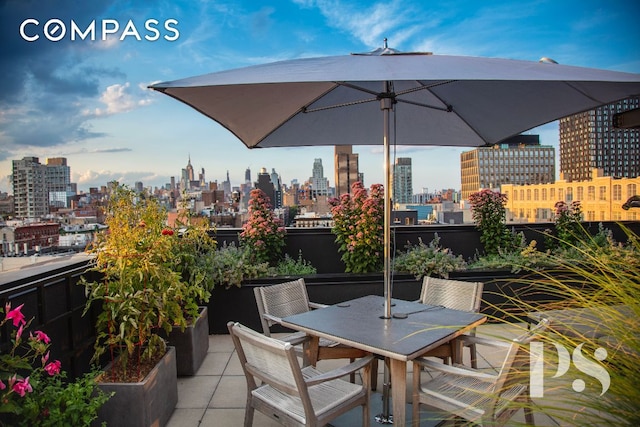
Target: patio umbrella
435, 100
432, 99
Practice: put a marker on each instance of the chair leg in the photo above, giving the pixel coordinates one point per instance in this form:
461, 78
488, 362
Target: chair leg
528, 414
374, 374
474, 356
415, 398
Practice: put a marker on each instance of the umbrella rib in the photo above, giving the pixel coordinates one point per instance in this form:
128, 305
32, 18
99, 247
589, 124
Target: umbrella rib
329, 107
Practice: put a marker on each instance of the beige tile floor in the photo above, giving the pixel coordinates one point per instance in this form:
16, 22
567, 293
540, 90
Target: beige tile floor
215, 396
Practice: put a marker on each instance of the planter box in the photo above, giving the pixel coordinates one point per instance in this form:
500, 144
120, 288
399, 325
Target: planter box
147, 403
191, 345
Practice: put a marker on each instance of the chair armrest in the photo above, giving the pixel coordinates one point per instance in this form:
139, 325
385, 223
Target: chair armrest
456, 369
317, 305
274, 319
296, 338
341, 371
470, 339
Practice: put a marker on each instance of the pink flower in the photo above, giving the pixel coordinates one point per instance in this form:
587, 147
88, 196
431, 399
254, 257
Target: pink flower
45, 358
16, 315
53, 368
41, 336
22, 387
2, 385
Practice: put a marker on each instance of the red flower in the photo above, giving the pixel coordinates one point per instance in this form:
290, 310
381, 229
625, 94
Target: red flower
15, 315
21, 387
41, 336
53, 368
167, 232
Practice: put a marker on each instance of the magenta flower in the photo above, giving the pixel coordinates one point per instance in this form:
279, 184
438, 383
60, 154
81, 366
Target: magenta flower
41, 336
15, 315
53, 368
21, 387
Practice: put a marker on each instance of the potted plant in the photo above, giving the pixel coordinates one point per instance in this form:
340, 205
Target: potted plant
192, 248
141, 292
33, 387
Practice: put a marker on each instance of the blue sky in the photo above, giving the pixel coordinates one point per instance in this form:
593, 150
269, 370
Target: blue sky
87, 100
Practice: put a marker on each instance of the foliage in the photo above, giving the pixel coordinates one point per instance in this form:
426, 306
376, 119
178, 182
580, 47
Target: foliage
567, 218
140, 289
263, 234
32, 390
358, 226
293, 267
489, 214
605, 279
428, 260
191, 245
230, 265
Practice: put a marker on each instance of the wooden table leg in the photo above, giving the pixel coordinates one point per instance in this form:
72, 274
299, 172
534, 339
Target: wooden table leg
399, 391
310, 347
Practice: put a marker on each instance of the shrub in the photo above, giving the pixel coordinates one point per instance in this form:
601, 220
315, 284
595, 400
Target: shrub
489, 214
358, 227
263, 234
428, 260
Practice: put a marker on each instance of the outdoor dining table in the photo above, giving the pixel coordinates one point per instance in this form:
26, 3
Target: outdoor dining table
412, 330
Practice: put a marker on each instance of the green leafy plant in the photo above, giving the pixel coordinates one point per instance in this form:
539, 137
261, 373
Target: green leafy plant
293, 267
428, 260
230, 265
33, 390
358, 227
489, 213
141, 289
263, 234
568, 226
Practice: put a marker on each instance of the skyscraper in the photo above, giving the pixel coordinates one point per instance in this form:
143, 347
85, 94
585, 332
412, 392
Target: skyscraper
319, 184
589, 141
30, 196
58, 181
346, 168
518, 160
402, 181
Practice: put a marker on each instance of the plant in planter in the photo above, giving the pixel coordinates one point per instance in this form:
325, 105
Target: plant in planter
263, 234
34, 389
140, 290
428, 260
358, 226
489, 214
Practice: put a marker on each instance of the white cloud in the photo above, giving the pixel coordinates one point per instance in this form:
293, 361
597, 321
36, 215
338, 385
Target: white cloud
118, 99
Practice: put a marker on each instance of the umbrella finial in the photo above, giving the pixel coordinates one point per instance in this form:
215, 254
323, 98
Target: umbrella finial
385, 43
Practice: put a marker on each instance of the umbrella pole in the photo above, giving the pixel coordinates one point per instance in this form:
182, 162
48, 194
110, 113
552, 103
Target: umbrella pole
385, 105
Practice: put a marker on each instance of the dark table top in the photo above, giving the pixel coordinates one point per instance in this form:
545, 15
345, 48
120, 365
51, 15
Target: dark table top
413, 329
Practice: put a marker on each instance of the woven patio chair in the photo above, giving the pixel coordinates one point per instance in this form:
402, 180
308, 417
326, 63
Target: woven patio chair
456, 295
285, 299
278, 387
477, 396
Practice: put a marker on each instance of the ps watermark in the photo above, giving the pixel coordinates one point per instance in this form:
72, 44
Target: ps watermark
580, 361
56, 30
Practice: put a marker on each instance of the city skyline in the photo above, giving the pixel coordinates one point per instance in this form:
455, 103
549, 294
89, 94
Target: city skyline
87, 100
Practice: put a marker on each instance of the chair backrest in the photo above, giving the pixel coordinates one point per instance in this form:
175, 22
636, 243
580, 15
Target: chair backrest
515, 368
267, 359
281, 300
453, 294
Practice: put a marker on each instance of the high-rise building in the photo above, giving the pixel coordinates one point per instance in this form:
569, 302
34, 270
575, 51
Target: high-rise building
58, 180
30, 196
346, 169
402, 181
589, 141
247, 176
264, 183
518, 160
319, 184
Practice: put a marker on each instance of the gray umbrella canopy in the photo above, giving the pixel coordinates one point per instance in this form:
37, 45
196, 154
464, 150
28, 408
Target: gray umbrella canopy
433, 100
440, 100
